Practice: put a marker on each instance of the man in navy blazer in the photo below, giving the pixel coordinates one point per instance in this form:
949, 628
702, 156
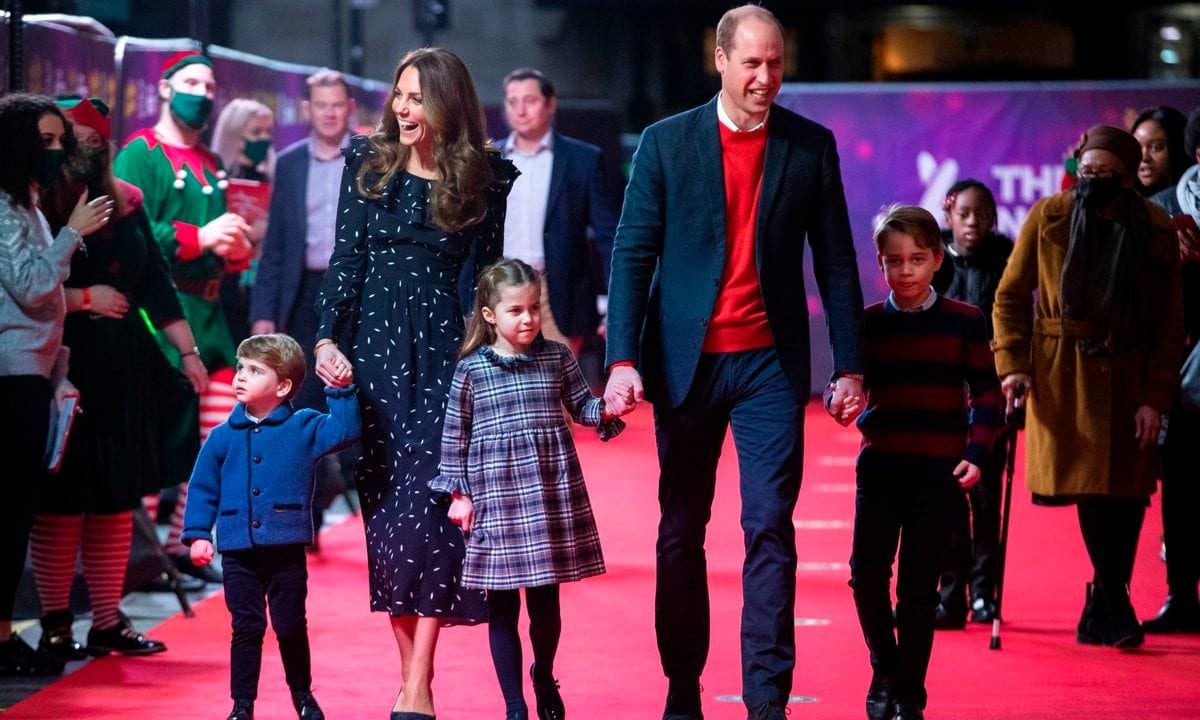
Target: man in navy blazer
707, 303
563, 192
302, 222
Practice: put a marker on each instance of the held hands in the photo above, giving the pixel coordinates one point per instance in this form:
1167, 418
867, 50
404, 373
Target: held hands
88, 217
108, 302
462, 512
1148, 422
201, 552
623, 391
846, 402
333, 367
1015, 386
967, 473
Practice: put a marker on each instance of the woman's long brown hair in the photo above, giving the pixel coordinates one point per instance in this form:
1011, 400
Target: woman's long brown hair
507, 272
459, 198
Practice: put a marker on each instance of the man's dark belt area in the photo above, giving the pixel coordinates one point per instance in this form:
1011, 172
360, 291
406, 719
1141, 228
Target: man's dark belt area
208, 290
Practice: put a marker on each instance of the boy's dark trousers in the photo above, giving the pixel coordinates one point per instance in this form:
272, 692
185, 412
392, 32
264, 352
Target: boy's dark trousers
275, 577
975, 535
904, 506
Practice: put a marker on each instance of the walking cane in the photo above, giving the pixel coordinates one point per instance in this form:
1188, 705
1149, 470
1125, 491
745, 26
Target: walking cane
1015, 421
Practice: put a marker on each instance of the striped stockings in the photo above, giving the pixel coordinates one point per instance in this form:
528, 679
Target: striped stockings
216, 403
105, 540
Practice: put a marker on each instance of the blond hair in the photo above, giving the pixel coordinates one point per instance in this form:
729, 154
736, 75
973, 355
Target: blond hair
229, 134
279, 352
507, 272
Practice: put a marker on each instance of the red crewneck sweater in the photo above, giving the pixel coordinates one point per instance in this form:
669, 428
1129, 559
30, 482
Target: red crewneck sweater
739, 320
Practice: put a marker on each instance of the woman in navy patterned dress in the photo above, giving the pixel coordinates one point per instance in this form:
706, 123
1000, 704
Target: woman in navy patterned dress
417, 198
510, 465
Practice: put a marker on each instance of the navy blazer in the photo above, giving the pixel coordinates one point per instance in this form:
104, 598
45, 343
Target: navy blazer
281, 267
581, 195
669, 253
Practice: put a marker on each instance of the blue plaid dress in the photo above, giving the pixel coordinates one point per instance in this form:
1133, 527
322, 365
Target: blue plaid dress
506, 443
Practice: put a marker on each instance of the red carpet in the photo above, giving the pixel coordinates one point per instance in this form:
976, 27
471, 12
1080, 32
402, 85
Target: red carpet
608, 663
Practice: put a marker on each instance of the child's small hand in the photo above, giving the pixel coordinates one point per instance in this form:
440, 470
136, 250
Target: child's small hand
462, 512
201, 552
967, 473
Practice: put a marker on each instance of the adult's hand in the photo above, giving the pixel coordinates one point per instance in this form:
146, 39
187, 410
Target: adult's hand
847, 400
107, 301
88, 217
1015, 387
196, 373
333, 367
223, 231
620, 379
1148, 423
262, 327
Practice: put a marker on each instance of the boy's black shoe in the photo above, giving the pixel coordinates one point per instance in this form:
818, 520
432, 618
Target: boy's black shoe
881, 701
549, 701
983, 610
1176, 615
58, 641
242, 710
306, 706
121, 638
768, 711
17, 658
683, 701
208, 573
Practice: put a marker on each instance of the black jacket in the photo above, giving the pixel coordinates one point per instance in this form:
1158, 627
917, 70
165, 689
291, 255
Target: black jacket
974, 278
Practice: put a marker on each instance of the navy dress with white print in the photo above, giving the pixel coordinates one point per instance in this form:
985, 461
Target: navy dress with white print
390, 302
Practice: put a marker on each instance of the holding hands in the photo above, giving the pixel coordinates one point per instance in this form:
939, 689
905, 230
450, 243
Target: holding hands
846, 402
623, 391
332, 366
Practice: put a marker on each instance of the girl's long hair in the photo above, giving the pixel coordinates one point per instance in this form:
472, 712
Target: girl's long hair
459, 198
21, 145
506, 272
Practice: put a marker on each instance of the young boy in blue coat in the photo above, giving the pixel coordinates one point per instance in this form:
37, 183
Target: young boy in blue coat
254, 480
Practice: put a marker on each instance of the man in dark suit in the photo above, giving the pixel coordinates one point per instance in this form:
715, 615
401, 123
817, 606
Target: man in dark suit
707, 302
302, 223
563, 192
299, 241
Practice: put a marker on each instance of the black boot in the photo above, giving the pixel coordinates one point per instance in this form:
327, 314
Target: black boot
306, 706
1124, 630
57, 639
1178, 614
881, 701
1093, 623
549, 701
242, 710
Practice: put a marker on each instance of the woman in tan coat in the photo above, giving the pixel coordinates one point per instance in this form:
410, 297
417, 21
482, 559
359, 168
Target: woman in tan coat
1098, 352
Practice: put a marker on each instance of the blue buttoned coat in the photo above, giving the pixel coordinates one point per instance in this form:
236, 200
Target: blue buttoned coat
255, 481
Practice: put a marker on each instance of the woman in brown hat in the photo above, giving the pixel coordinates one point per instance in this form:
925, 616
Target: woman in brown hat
1098, 353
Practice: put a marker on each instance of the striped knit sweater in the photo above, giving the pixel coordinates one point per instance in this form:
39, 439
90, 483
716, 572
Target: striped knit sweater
932, 389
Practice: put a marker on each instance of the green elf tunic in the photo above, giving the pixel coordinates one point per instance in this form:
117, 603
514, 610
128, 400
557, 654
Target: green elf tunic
184, 189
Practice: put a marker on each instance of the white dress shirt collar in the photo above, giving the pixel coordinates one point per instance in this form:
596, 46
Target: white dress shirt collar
728, 121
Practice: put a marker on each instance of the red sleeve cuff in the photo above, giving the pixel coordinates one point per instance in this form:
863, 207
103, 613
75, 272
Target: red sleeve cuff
623, 363
236, 266
187, 236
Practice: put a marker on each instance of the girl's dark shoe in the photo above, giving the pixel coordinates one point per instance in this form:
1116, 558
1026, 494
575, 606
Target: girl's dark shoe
306, 706
881, 703
909, 713
242, 710
121, 638
57, 639
1124, 630
1093, 623
17, 658
549, 701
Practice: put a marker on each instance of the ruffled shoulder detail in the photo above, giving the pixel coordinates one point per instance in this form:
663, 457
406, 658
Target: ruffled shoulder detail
508, 362
504, 170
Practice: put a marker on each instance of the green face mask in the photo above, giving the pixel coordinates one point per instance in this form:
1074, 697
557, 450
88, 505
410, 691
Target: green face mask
256, 150
192, 110
50, 167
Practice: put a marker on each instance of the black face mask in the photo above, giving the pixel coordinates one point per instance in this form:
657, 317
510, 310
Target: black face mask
49, 167
1098, 192
89, 166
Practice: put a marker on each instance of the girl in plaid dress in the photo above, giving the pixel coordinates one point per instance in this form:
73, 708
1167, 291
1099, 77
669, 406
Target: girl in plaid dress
509, 463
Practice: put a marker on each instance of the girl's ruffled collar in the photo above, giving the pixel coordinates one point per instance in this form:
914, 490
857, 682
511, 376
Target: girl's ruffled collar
510, 362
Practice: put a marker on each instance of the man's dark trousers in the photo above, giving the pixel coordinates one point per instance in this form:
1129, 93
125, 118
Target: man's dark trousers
274, 577
747, 391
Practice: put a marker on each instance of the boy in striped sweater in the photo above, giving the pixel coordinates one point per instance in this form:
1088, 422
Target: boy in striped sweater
932, 411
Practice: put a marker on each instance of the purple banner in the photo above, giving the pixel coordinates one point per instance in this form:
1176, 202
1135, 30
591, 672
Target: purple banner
910, 143
63, 61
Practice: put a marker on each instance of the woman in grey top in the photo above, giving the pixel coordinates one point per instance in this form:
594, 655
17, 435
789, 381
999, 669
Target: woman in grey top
34, 141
